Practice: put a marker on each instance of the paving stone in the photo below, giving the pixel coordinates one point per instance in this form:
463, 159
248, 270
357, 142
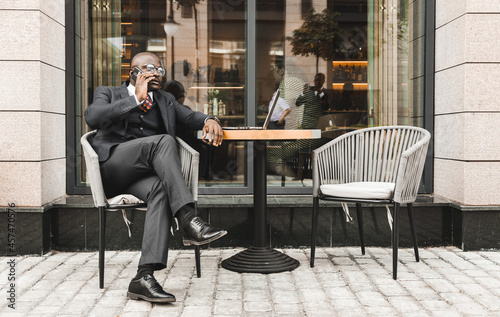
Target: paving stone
473, 289
435, 305
447, 282
380, 311
134, 314
253, 295
488, 282
288, 308
205, 290
441, 285
490, 302
317, 307
228, 307
447, 313
137, 306
167, 310
361, 286
199, 301
392, 289
197, 311
257, 306
421, 313
372, 299
404, 304
343, 292
39, 310
282, 285
284, 296
345, 304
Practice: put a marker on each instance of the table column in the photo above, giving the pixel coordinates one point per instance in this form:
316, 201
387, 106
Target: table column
260, 258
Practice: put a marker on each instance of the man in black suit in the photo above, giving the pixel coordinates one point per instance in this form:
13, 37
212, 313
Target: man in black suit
325, 95
137, 151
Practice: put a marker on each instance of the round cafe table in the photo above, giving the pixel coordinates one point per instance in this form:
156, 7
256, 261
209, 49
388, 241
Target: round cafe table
260, 258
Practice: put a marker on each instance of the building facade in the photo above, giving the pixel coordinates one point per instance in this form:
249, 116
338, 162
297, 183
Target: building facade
426, 63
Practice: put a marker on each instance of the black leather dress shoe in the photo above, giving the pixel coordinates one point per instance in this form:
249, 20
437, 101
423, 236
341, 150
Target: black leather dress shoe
148, 289
199, 232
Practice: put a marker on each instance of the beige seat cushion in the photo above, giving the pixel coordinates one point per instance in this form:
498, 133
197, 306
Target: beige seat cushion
360, 190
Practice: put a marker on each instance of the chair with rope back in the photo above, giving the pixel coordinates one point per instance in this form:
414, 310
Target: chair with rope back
381, 165
189, 159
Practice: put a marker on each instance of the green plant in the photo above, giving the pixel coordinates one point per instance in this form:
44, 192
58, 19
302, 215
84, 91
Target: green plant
216, 93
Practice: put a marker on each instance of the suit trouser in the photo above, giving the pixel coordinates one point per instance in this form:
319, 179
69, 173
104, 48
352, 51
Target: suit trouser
149, 168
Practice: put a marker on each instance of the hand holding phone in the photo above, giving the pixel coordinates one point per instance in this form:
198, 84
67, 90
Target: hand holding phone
136, 71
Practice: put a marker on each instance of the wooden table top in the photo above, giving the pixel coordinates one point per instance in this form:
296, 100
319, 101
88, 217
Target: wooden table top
249, 135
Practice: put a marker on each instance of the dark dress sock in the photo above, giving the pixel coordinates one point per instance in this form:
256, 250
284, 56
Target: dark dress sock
144, 269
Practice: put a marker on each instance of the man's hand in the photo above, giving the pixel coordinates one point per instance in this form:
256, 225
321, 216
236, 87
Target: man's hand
141, 85
212, 131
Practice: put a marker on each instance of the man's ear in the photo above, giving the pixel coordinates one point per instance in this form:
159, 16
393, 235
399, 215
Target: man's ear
130, 76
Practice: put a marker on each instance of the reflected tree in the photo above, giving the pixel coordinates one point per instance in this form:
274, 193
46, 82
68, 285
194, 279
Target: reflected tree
319, 35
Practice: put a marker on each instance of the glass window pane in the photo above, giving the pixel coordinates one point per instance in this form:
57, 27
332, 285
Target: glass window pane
339, 65
202, 45
342, 66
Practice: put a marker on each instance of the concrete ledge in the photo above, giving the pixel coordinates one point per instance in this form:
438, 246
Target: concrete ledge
246, 201
71, 224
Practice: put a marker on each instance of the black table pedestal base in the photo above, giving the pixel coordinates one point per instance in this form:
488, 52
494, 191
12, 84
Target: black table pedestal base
260, 260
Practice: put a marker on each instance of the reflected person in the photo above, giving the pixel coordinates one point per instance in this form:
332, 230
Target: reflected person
176, 88
346, 101
281, 110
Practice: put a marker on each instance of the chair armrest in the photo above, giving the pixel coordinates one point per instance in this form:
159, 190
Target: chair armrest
93, 170
190, 161
410, 171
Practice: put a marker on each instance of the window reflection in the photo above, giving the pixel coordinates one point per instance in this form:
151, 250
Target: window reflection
339, 65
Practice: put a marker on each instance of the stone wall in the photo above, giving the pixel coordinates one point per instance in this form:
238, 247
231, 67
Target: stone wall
32, 107
467, 94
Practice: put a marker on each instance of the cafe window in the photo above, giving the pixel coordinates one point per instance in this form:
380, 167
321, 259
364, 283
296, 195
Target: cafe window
344, 65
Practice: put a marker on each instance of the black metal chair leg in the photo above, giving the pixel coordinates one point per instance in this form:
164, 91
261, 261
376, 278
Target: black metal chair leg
197, 248
359, 211
314, 228
102, 244
413, 231
395, 241
197, 258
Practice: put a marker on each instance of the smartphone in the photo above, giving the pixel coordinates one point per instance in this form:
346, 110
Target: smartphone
136, 72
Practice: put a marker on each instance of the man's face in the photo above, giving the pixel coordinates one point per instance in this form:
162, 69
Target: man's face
319, 81
142, 61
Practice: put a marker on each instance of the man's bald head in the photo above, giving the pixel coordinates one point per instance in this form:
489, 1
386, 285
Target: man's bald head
141, 60
141, 56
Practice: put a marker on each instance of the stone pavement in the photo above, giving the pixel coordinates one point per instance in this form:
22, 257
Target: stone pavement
446, 282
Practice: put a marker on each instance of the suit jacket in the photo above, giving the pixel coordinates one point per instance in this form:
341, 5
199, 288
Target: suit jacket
110, 109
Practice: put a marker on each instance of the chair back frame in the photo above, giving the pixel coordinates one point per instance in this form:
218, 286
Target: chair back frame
394, 154
188, 158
